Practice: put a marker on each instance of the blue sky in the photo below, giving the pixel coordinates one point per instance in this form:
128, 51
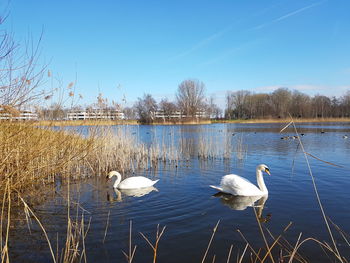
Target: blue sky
136, 47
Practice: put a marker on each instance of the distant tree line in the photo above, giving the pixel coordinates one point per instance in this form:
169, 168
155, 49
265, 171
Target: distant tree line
191, 103
280, 103
242, 104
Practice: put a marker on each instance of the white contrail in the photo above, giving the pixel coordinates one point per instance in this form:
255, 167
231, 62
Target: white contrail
297, 11
222, 32
288, 15
203, 43
217, 35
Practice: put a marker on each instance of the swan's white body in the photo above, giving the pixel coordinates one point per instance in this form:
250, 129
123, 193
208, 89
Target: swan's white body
237, 185
134, 182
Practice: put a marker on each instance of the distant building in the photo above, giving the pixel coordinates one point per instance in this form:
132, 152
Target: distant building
96, 115
174, 115
179, 115
22, 115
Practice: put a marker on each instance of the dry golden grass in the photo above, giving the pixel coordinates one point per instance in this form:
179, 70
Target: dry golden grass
34, 155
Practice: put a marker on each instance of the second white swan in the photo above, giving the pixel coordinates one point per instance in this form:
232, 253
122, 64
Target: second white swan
133, 182
237, 185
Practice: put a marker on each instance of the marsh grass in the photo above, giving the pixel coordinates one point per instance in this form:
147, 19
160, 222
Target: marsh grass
221, 146
32, 156
73, 249
241, 149
214, 145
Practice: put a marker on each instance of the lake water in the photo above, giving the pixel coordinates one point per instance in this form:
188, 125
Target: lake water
183, 202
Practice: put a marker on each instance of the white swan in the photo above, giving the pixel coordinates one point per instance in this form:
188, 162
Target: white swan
236, 185
131, 182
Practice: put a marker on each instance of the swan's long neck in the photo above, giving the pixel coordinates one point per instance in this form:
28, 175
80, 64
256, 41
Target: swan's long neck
119, 178
260, 181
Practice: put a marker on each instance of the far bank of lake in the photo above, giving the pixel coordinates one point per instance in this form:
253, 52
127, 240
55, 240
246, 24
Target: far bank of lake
184, 122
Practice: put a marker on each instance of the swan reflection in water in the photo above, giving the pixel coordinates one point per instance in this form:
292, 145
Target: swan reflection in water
242, 202
139, 192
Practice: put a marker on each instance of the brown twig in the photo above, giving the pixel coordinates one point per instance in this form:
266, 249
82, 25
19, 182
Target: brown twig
155, 246
107, 224
211, 239
129, 257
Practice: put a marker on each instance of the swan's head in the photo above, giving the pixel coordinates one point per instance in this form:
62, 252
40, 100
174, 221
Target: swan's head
113, 173
264, 168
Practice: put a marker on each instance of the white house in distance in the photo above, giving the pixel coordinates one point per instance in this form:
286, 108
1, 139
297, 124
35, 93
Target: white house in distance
179, 115
96, 115
21, 116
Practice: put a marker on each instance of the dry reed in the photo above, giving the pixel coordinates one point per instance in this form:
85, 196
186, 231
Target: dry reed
210, 241
154, 246
129, 257
210, 149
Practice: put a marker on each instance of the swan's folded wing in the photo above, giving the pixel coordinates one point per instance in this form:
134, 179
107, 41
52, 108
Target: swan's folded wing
237, 185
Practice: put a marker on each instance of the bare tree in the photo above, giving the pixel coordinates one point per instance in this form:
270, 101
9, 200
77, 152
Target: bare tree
345, 104
281, 99
321, 106
300, 105
238, 102
130, 113
168, 108
212, 110
190, 96
146, 108
20, 75
229, 105
57, 111
336, 107
260, 105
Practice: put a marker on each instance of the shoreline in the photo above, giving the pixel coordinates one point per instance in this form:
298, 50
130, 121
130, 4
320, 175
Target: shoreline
135, 122
287, 120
